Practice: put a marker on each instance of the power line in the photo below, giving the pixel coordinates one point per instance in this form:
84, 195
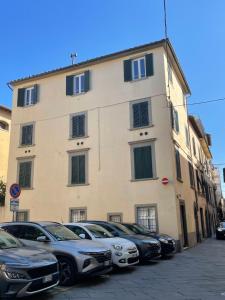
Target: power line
202, 102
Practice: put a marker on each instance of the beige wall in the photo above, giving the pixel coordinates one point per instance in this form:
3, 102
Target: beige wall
5, 117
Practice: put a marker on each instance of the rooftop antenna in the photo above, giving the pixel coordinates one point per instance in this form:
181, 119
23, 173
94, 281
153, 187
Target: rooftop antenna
73, 57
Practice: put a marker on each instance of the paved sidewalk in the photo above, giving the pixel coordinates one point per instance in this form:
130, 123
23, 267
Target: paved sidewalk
195, 274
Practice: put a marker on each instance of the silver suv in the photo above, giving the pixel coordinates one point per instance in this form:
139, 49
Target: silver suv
77, 258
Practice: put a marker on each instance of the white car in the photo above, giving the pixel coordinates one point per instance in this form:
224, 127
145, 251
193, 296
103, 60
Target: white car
124, 252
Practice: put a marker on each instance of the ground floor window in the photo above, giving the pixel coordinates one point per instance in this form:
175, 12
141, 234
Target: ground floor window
78, 214
147, 216
22, 216
115, 217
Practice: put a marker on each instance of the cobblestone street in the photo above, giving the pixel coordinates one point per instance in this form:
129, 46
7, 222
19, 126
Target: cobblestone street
197, 273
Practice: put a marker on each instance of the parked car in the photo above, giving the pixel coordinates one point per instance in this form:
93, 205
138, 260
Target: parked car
124, 252
24, 270
148, 247
220, 231
77, 258
168, 244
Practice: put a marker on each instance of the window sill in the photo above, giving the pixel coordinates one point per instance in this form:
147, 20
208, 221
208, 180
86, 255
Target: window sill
26, 146
78, 138
77, 95
139, 79
180, 180
140, 128
26, 106
74, 185
27, 188
144, 179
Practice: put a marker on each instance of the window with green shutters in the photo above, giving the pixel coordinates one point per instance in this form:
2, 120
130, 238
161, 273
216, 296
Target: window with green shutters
78, 168
25, 174
27, 96
174, 118
27, 135
143, 161
191, 175
178, 164
187, 137
138, 68
79, 125
140, 113
78, 84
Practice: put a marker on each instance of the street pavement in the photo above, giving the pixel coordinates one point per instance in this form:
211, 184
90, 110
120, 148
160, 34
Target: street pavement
195, 274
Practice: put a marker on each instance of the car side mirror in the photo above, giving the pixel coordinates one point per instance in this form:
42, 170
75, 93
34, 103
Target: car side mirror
42, 238
82, 236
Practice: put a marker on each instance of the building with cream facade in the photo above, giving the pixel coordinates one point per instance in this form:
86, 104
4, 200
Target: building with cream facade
95, 139
5, 124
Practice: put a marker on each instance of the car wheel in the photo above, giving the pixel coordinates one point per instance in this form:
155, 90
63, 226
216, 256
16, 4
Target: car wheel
68, 271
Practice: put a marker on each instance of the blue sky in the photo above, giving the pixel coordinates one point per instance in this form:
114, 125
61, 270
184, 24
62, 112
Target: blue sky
36, 36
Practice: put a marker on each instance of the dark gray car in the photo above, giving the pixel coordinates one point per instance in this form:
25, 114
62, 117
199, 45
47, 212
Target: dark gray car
24, 270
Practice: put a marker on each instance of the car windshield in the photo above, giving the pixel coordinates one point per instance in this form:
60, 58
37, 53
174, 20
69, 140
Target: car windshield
142, 229
99, 232
7, 241
122, 229
222, 224
61, 233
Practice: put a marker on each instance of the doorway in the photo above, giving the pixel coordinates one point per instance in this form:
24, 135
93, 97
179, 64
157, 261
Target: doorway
202, 222
198, 238
183, 225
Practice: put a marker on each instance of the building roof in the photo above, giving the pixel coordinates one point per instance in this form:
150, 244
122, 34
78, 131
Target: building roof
204, 138
161, 43
2, 107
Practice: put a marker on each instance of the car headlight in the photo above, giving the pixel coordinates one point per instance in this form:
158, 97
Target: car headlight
163, 240
219, 229
15, 275
117, 247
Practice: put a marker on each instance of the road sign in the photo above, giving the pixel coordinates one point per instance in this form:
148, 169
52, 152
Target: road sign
15, 190
14, 204
165, 180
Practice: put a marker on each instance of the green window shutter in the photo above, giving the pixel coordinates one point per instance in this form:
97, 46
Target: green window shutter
143, 162
78, 126
178, 165
69, 85
127, 70
136, 115
140, 114
35, 94
144, 116
78, 169
21, 97
27, 135
149, 65
82, 169
177, 121
25, 174
74, 170
86, 81
172, 115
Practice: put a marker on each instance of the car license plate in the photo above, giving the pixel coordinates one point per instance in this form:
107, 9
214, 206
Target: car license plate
106, 263
47, 278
